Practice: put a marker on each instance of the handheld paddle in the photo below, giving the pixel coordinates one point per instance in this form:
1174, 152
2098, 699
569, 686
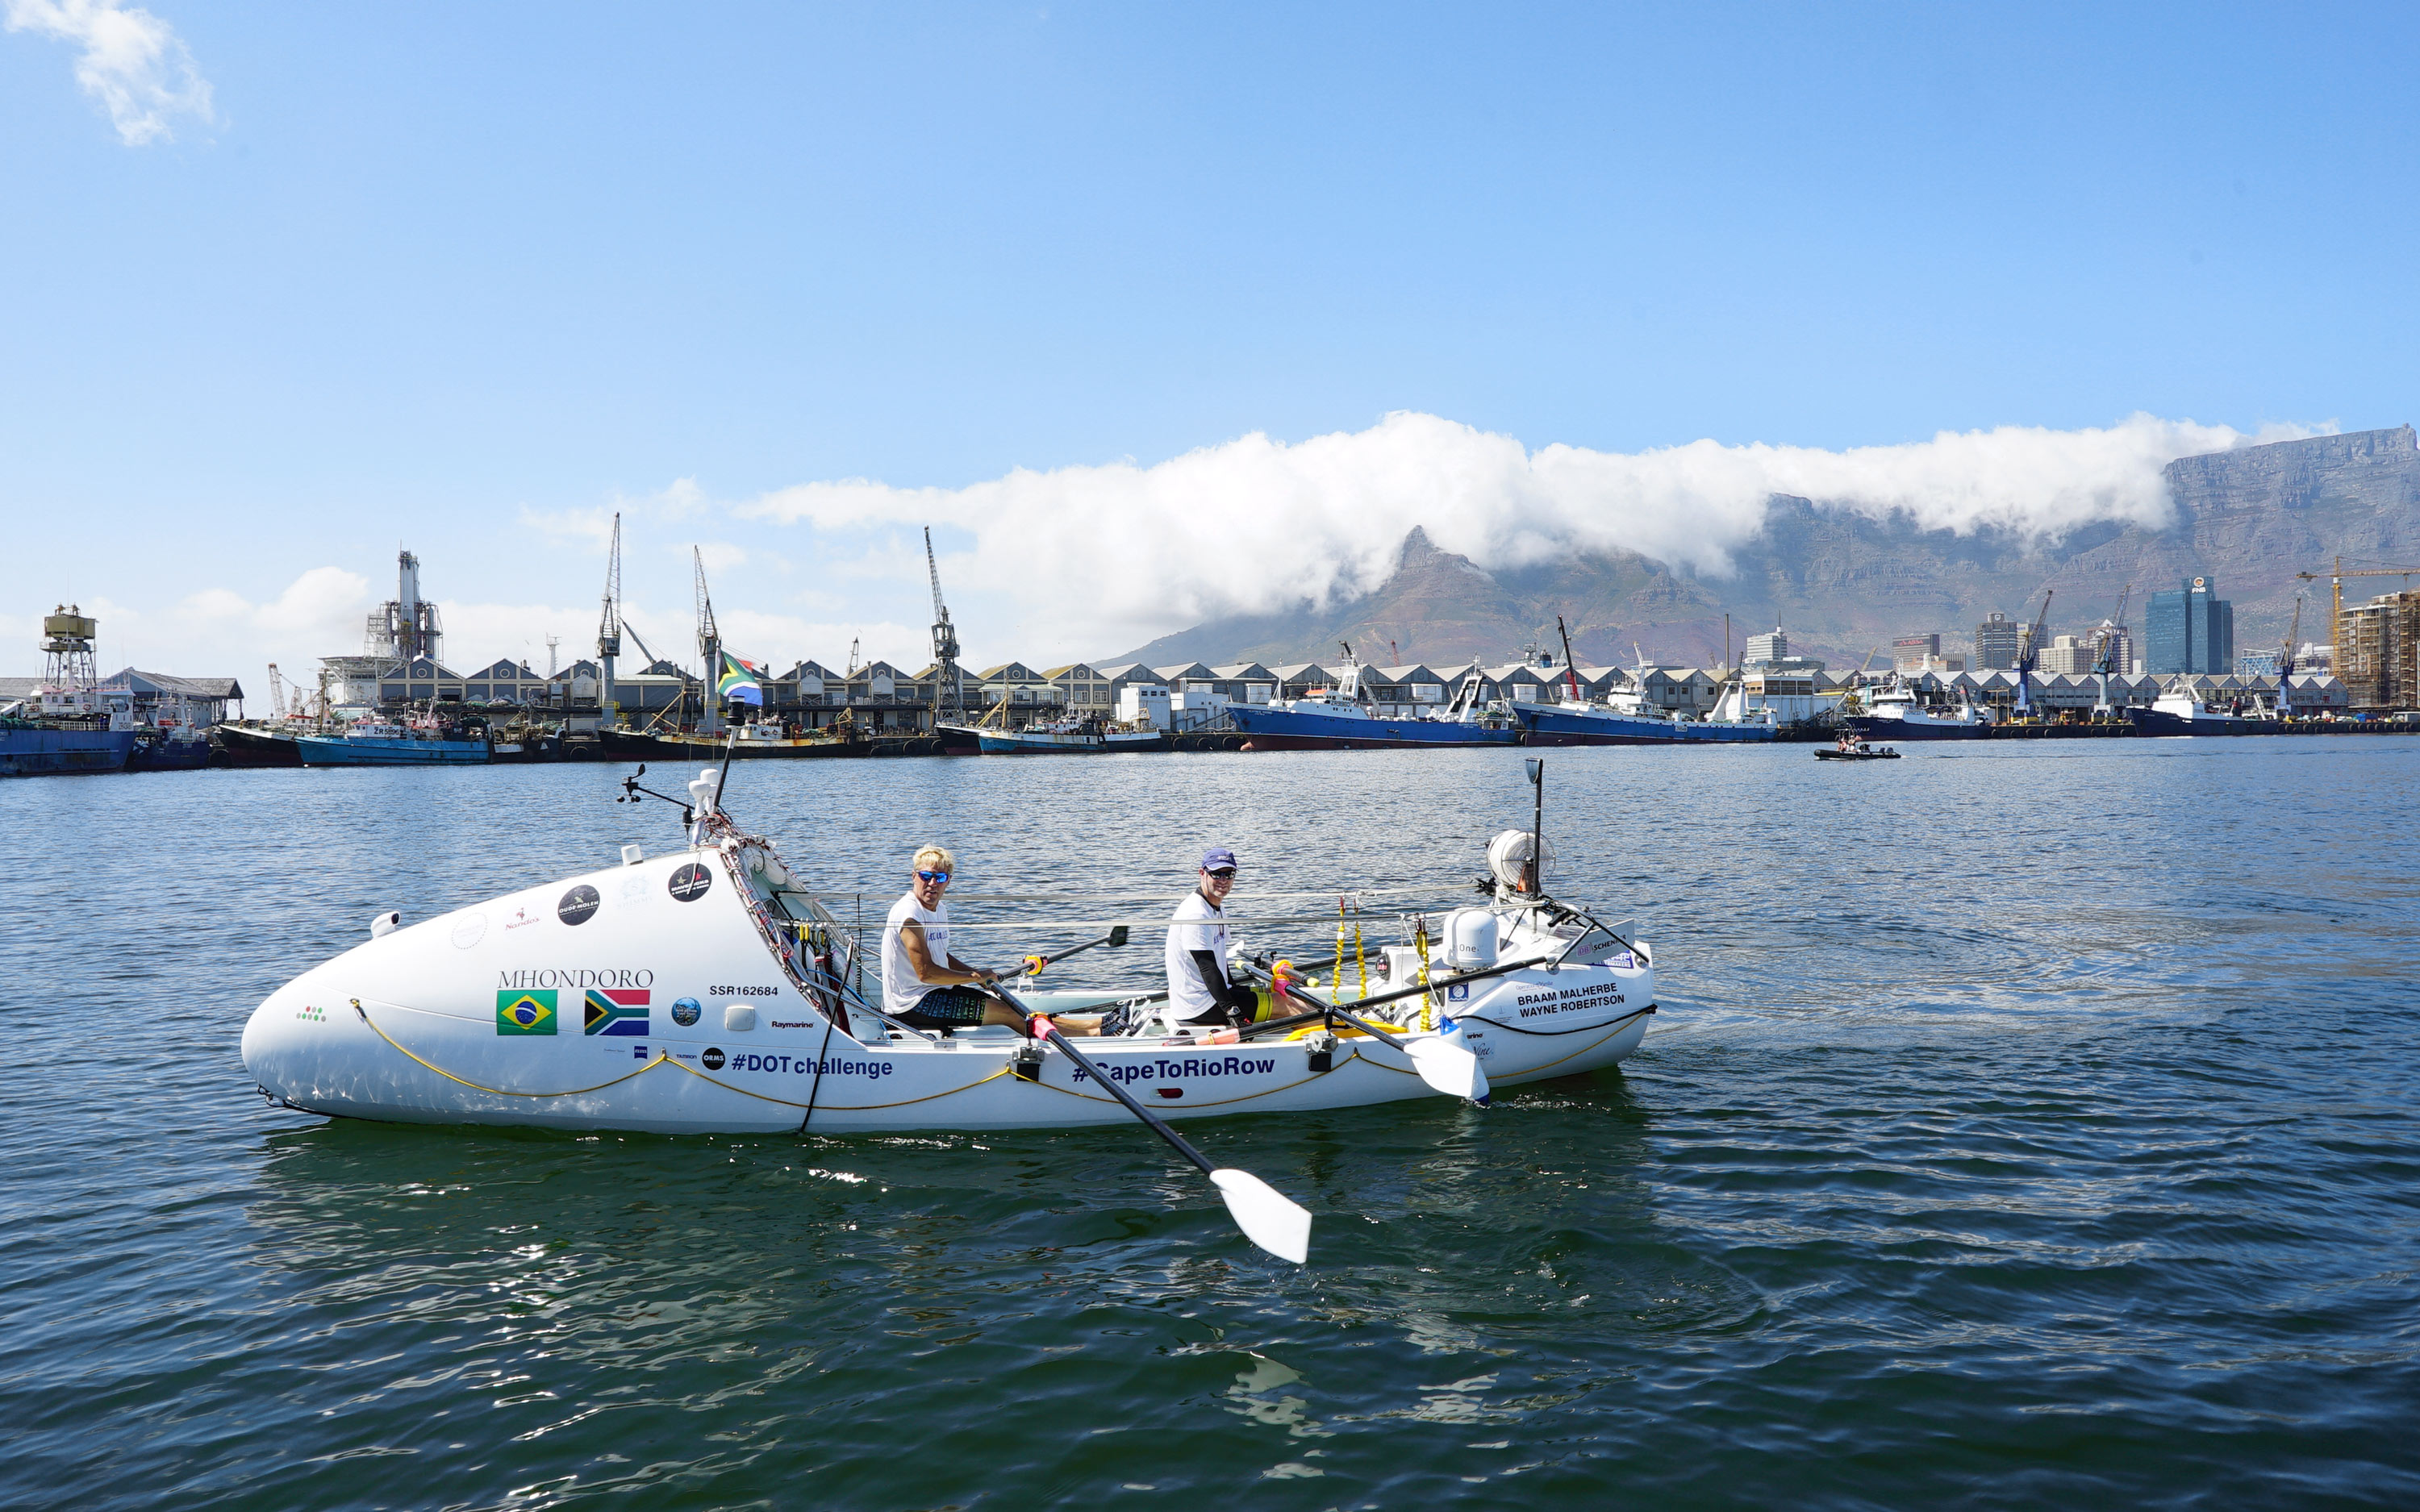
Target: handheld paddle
1267, 1216
1114, 939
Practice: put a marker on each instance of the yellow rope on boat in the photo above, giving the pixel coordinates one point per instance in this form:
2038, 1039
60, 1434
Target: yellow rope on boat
499, 1092
662, 1058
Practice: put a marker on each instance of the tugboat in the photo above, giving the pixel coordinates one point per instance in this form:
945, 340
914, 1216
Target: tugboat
1335, 718
63, 727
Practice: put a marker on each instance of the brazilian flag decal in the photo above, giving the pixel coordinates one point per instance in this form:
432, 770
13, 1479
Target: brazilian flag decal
525, 1012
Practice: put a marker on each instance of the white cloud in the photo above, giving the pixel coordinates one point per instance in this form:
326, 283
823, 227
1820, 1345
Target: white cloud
1120, 552
132, 63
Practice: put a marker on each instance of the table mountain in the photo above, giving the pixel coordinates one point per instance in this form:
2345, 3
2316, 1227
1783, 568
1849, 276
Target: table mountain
1841, 581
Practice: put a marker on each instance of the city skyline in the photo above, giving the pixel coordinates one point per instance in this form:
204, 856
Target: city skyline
1155, 317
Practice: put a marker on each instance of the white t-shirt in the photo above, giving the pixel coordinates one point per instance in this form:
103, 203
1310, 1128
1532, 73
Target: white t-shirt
1194, 926
902, 990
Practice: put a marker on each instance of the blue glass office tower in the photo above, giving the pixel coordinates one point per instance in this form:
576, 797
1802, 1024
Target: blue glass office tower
2191, 630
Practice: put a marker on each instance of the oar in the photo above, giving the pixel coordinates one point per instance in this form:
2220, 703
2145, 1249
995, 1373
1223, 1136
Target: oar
1448, 1067
1267, 1216
1114, 939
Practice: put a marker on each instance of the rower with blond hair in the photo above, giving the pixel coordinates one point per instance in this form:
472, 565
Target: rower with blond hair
923, 984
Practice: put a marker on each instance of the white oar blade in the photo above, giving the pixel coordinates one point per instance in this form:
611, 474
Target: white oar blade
1448, 1067
1267, 1216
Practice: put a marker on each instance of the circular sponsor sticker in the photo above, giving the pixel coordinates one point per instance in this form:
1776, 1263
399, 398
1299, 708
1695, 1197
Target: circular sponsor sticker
684, 1011
577, 905
469, 929
691, 882
712, 1060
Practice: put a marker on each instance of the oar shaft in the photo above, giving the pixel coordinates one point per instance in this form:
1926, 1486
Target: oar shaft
1084, 1063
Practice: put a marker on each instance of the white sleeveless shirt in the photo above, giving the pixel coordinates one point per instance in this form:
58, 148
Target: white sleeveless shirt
901, 988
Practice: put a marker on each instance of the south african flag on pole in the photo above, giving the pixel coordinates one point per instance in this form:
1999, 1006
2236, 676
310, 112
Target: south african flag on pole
739, 682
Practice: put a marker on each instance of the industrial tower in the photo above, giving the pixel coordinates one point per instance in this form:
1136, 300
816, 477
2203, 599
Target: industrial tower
609, 627
949, 692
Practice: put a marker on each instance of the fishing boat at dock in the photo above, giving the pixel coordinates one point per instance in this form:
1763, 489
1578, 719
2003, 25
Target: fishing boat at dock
1897, 714
1063, 737
1338, 718
422, 741
2177, 712
63, 728
756, 740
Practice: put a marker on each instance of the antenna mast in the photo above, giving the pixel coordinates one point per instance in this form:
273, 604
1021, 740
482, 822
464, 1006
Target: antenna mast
949, 696
709, 646
609, 625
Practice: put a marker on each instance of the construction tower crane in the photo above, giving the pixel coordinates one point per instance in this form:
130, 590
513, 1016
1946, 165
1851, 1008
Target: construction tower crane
609, 625
709, 647
2349, 661
2105, 642
2028, 652
949, 694
854, 643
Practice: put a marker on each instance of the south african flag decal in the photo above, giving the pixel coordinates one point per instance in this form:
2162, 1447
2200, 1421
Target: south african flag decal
525, 1012
617, 1010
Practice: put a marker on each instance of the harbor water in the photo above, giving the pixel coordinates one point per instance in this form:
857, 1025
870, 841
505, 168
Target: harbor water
2026, 1124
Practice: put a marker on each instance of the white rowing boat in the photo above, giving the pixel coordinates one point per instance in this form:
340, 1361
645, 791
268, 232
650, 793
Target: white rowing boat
707, 990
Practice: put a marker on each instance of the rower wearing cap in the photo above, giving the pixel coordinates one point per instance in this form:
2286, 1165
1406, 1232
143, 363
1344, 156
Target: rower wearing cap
1199, 992
923, 985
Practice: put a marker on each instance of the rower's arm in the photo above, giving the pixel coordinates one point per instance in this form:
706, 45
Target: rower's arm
919, 956
1228, 993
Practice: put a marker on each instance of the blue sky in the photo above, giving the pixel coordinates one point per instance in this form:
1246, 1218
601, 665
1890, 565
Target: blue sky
464, 277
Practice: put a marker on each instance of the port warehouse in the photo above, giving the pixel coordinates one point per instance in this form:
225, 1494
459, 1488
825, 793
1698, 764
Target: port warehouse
880, 697
153, 698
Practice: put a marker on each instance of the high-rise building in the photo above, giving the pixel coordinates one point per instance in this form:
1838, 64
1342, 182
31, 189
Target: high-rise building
1914, 652
2068, 655
2378, 653
2190, 631
1764, 649
1996, 642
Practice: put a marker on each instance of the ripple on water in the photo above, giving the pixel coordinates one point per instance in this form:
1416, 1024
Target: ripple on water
2050, 1142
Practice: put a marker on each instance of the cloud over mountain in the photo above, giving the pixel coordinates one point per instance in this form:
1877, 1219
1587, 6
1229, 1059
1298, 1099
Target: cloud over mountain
1124, 551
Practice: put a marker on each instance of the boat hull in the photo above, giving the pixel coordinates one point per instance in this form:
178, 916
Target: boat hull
624, 745
1550, 726
2161, 722
339, 750
1050, 743
42, 751
1879, 727
159, 754
561, 1007
1269, 729
255, 747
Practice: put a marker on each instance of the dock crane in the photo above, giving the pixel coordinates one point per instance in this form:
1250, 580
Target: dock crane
2105, 642
2028, 652
609, 627
710, 645
949, 692
2286, 662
